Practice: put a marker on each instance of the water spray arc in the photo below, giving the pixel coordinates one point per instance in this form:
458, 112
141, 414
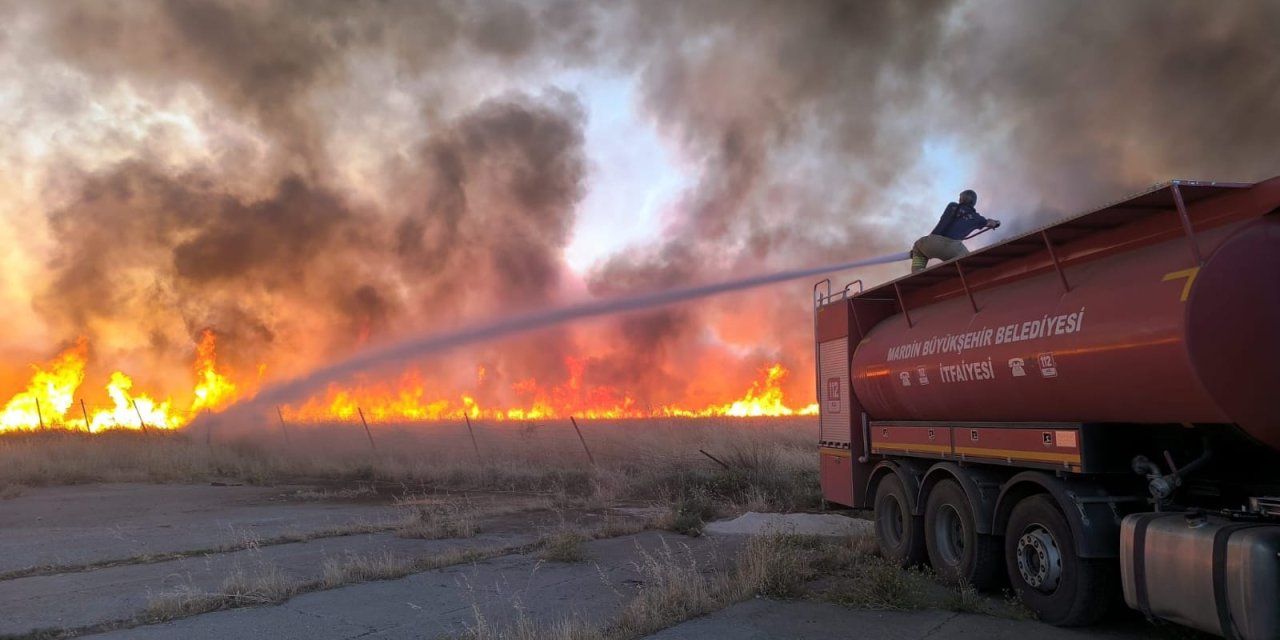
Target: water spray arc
418, 346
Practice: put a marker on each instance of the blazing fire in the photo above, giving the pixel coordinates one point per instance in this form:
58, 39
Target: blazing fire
409, 400
132, 411
764, 399
51, 392
213, 389
51, 400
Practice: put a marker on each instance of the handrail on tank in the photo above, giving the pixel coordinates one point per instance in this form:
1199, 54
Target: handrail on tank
818, 298
821, 299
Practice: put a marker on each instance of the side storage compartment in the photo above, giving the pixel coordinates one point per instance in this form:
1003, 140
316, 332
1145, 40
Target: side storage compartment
1205, 572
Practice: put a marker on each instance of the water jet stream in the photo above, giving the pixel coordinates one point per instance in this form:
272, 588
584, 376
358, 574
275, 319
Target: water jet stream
417, 346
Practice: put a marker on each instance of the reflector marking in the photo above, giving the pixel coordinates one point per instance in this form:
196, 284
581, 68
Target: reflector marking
1003, 454
1189, 274
923, 448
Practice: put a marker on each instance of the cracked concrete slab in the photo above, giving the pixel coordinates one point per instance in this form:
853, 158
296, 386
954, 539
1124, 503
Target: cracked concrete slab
765, 619
452, 599
74, 600
87, 524
94, 523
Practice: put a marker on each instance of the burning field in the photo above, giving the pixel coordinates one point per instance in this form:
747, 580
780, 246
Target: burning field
52, 399
204, 200
231, 225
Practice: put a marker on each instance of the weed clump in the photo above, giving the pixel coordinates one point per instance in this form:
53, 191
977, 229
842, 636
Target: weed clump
438, 521
966, 599
675, 589
566, 544
689, 513
266, 585
777, 565
879, 584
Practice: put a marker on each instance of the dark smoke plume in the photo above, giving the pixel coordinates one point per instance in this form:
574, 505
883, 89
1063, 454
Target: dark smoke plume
366, 170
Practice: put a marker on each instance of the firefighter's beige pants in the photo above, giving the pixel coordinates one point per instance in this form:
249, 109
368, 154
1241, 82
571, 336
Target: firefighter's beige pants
933, 247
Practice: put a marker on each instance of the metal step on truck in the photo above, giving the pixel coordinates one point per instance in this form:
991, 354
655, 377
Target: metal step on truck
1086, 412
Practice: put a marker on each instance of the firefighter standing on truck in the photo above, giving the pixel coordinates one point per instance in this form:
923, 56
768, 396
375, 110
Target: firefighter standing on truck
946, 241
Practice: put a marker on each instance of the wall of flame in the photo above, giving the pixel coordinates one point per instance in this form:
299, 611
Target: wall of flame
53, 398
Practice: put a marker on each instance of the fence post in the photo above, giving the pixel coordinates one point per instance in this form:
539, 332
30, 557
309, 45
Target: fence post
141, 422
366, 429
86, 415
717, 460
590, 458
39, 414
473, 438
283, 429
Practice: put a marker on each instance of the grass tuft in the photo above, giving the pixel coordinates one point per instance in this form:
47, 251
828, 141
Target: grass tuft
879, 584
267, 585
689, 513
437, 521
565, 544
674, 589
777, 565
527, 629
966, 599
353, 568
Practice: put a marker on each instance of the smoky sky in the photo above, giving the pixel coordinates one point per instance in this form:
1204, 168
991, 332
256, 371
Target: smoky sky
803, 127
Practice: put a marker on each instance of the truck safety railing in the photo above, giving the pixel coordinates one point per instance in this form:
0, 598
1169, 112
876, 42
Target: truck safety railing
821, 298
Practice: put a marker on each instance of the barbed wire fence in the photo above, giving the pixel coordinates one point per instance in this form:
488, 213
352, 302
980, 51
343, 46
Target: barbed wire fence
489, 441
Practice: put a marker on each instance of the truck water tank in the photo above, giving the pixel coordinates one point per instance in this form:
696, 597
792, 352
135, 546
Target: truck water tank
1142, 336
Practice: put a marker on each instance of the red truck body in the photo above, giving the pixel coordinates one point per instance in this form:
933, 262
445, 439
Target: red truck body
1143, 328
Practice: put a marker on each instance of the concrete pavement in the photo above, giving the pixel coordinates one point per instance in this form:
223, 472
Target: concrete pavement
765, 619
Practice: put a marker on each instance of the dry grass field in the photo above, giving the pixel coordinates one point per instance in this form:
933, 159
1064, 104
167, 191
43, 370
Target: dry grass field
699, 466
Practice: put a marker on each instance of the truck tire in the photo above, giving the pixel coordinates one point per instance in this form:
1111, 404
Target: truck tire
958, 553
899, 534
1062, 589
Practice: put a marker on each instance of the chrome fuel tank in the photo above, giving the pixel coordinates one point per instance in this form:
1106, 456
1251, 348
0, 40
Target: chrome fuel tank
1205, 572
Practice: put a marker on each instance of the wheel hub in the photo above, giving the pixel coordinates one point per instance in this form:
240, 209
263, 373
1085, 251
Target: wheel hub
893, 525
949, 532
1040, 560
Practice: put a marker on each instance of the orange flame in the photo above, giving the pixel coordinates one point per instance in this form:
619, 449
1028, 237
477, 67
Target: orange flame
51, 392
408, 401
132, 411
765, 398
51, 396
213, 389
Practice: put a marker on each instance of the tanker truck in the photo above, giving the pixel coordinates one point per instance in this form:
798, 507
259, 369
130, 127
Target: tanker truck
1085, 412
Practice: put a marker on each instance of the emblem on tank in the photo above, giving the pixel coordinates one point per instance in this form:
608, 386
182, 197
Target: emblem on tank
1018, 367
923, 372
905, 377
1047, 367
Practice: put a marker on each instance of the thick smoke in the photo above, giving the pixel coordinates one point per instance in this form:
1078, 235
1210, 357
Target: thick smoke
364, 170
1073, 108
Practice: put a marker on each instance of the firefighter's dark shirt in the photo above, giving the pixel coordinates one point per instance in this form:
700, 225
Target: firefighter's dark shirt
958, 221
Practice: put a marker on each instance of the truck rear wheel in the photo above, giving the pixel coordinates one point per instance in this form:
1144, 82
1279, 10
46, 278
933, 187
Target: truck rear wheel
1061, 588
956, 550
900, 535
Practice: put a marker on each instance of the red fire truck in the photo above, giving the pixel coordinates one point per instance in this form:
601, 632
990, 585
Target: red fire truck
1089, 409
